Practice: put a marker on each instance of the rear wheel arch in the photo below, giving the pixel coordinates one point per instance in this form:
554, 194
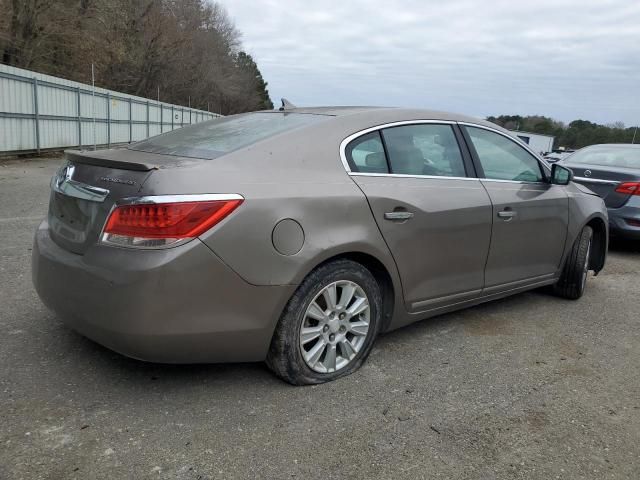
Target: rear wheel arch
379, 272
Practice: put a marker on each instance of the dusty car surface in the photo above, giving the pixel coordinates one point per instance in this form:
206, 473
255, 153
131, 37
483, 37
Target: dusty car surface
297, 236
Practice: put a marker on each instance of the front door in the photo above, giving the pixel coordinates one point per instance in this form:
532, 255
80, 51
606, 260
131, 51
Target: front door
530, 216
435, 220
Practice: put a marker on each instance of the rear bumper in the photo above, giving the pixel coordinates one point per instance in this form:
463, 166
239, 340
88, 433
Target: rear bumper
625, 221
177, 305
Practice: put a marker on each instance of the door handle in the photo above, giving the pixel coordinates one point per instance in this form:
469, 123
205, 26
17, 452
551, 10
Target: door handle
398, 216
507, 215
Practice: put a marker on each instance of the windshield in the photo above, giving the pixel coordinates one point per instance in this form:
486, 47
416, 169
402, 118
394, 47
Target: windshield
216, 137
608, 155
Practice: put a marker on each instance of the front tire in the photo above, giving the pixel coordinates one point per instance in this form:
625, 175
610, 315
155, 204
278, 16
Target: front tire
329, 325
573, 280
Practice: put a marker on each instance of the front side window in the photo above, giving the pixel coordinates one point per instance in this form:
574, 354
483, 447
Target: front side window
504, 159
424, 149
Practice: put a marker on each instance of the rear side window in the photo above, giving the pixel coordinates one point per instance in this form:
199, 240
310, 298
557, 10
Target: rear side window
424, 149
366, 154
503, 159
216, 137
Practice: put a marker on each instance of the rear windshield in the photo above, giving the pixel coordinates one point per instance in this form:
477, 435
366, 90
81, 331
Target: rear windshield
613, 156
216, 137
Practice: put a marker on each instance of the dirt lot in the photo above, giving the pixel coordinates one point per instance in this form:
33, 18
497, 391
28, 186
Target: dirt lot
528, 387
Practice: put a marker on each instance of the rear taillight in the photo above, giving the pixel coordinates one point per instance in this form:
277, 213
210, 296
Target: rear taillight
629, 188
159, 221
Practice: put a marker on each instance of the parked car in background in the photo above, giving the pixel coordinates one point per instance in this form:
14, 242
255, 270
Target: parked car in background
613, 172
296, 237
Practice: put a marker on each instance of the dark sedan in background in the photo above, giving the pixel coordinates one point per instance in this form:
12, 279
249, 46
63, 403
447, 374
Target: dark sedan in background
613, 172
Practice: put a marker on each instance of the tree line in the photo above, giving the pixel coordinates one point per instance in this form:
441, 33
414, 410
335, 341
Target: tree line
187, 50
577, 134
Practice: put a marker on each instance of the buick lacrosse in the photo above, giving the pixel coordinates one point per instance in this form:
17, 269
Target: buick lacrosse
298, 236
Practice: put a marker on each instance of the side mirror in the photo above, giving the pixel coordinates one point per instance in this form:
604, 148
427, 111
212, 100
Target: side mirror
560, 175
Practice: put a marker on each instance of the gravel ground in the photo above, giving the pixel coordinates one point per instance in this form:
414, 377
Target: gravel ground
528, 387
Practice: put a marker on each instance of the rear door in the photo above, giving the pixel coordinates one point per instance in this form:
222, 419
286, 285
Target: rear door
434, 216
530, 215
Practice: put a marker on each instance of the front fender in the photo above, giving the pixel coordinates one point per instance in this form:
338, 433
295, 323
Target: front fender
588, 209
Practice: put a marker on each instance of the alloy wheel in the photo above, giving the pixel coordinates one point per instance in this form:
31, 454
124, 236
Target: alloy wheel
335, 326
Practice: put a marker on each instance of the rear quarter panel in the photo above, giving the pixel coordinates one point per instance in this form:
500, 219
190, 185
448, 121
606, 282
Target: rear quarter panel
335, 218
297, 176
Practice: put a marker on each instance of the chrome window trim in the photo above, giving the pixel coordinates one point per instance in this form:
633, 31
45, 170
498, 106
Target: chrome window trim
595, 180
350, 138
519, 182
404, 175
353, 136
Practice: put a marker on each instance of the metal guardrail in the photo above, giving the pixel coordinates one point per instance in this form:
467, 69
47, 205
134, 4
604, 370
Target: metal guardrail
22, 131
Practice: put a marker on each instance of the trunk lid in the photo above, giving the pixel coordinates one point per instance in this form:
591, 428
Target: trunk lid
604, 181
127, 159
85, 189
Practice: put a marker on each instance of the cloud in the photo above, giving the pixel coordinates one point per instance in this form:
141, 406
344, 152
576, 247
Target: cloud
565, 59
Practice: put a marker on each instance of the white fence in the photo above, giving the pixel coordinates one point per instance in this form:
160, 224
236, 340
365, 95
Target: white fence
43, 112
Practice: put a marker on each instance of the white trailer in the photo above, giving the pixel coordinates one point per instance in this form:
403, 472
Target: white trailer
537, 142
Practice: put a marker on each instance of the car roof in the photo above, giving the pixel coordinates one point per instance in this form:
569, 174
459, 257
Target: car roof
381, 115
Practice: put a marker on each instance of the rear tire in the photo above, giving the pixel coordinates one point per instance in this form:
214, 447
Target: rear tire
329, 325
573, 280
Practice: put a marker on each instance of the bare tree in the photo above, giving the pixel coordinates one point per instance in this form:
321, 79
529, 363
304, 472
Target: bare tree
190, 49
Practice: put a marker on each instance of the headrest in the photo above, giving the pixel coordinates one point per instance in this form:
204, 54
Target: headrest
446, 141
375, 160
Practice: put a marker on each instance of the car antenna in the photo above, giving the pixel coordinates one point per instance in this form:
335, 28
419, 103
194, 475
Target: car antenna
286, 105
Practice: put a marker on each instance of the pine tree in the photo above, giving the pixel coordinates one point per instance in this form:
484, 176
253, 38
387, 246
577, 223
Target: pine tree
246, 63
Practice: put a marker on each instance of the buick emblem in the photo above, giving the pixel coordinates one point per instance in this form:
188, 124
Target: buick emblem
587, 173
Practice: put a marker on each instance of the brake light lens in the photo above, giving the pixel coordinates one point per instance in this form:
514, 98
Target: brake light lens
629, 188
161, 222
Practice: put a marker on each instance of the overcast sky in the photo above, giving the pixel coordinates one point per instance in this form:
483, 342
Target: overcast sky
564, 59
